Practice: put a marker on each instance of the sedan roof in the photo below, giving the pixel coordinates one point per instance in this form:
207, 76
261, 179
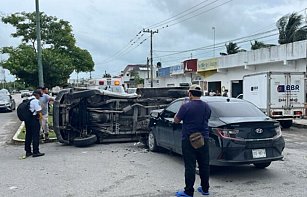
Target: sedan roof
220, 99
217, 99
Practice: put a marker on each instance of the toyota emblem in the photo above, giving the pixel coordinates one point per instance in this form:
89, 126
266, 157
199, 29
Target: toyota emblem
259, 130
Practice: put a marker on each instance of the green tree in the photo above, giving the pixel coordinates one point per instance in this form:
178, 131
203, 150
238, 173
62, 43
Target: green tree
291, 29
232, 48
60, 55
106, 75
257, 45
136, 78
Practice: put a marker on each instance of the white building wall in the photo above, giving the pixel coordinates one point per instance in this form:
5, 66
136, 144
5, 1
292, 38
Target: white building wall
175, 80
125, 77
291, 51
237, 73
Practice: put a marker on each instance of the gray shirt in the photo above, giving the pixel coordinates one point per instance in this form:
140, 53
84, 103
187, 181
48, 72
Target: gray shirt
44, 101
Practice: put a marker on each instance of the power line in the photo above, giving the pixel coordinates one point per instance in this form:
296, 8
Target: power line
195, 15
187, 12
125, 52
179, 15
127, 47
237, 40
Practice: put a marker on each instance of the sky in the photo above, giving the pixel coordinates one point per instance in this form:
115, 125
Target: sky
111, 30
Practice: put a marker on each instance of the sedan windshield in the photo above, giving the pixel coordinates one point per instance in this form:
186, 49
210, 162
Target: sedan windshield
235, 109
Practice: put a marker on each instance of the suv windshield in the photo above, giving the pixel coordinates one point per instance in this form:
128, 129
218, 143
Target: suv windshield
235, 109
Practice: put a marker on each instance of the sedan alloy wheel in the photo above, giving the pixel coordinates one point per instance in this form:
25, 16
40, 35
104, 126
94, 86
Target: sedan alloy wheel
152, 144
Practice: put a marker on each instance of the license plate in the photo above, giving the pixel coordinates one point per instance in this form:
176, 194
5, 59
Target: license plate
287, 112
259, 153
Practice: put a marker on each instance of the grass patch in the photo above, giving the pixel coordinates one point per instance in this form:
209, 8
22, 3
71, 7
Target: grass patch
22, 134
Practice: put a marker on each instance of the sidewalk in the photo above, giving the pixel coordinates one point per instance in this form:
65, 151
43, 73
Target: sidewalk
300, 123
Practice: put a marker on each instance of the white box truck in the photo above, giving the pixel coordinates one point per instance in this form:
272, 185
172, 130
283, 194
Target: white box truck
281, 95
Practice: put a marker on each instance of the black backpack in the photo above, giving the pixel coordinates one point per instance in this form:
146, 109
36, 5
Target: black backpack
23, 110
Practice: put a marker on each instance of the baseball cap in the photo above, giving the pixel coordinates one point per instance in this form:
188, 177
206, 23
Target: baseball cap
195, 87
37, 92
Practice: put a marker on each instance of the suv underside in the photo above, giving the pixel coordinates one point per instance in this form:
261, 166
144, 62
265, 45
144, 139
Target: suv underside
84, 117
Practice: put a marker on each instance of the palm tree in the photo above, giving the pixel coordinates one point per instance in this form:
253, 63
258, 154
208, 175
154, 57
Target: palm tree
258, 45
290, 28
232, 48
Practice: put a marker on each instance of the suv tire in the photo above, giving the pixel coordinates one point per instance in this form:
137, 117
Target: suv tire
86, 141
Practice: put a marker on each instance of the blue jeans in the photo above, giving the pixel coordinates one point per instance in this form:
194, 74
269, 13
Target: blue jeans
190, 156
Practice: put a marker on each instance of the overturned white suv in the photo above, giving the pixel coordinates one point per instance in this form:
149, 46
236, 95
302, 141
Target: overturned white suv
85, 117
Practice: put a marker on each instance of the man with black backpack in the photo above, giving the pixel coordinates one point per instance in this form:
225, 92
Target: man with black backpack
33, 125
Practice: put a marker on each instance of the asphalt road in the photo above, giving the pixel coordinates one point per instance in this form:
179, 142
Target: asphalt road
9, 122
128, 169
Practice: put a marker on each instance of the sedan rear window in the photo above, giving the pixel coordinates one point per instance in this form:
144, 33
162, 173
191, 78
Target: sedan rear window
235, 109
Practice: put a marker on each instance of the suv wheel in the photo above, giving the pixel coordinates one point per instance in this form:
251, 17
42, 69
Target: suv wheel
85, 141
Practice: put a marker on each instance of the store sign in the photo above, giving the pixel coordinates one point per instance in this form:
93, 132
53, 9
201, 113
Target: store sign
209, 64
178, 69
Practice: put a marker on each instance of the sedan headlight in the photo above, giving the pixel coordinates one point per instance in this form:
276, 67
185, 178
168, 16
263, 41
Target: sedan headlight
278, 132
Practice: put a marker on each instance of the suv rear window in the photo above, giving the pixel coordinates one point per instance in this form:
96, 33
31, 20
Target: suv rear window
235, 109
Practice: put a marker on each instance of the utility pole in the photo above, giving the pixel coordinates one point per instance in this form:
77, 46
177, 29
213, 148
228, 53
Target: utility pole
39, 47
151, 59
213, 28
147, 63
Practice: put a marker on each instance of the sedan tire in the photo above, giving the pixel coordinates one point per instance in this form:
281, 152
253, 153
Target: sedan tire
152, 144
262, 165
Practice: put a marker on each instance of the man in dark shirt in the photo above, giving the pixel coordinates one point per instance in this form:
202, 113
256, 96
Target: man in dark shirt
195, 115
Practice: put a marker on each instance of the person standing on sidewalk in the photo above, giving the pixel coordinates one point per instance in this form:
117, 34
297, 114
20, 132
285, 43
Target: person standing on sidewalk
195, 115
44, 102
33, 126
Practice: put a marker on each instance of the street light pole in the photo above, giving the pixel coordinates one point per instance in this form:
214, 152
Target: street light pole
39, 47
213, 28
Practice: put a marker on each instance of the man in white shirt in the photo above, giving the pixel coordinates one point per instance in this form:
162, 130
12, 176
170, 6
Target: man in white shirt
33, 126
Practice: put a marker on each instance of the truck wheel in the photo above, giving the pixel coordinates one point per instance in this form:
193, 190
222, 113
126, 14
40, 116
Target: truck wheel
152, 144
285, 123
85, 141
262, 165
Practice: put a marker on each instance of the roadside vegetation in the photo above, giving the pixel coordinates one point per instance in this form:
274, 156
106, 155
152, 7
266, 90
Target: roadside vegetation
60, 54
52, 134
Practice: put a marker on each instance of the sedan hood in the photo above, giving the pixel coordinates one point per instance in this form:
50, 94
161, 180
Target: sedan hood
155, 113
3, 101
229, 120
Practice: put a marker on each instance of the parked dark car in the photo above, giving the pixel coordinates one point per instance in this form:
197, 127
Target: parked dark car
7, 103
239, 132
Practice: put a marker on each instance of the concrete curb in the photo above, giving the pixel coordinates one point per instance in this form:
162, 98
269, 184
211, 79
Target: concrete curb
299, 125
17, 140
15, 137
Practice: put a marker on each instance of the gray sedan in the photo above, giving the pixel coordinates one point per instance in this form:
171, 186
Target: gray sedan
7, 103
